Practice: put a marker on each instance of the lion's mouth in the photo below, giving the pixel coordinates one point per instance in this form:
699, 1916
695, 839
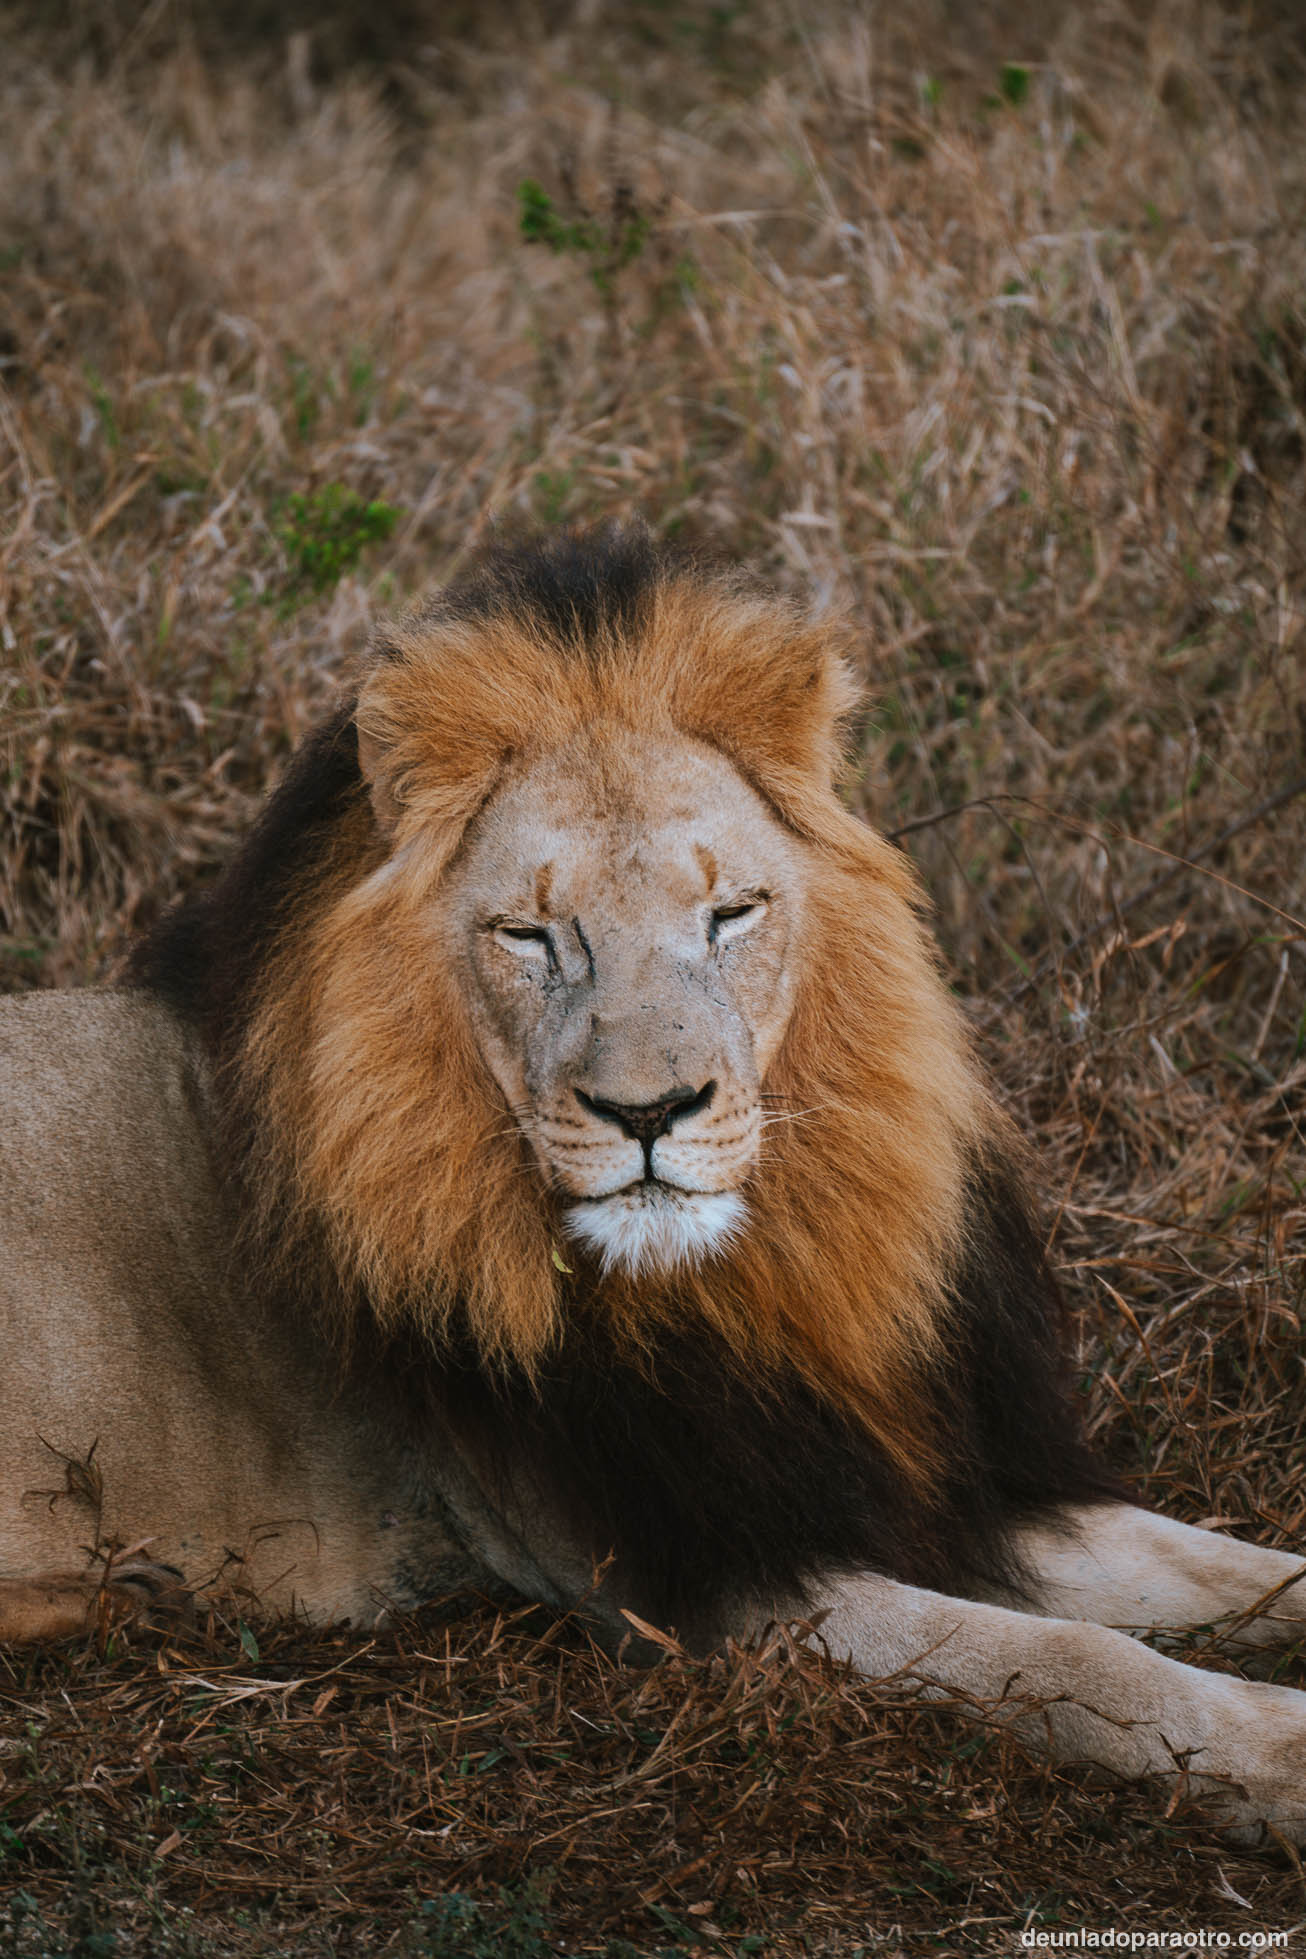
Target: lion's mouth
651, 1226
649, 1185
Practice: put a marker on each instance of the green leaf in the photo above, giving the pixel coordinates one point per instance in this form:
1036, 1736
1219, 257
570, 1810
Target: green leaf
1014, 83
325, 533
537, 220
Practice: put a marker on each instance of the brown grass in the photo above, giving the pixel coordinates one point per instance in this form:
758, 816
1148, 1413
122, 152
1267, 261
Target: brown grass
1023, 381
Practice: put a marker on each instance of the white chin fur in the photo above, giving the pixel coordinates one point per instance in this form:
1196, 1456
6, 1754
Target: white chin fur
652, 1230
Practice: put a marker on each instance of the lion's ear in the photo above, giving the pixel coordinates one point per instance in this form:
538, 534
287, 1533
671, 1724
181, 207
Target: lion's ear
431, 738
371, 763
785, 699
772, 688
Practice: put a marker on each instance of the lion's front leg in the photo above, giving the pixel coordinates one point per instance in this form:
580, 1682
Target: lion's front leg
1126, 1567
1085, 1693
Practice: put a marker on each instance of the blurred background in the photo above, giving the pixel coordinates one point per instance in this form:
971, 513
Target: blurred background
985, 323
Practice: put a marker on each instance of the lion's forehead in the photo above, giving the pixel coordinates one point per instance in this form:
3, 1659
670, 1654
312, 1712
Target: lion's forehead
589, 827
595, 869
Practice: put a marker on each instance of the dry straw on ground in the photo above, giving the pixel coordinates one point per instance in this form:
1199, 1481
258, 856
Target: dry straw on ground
991, 327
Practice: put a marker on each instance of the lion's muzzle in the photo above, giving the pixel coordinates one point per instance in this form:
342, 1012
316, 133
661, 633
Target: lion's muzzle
668, 1173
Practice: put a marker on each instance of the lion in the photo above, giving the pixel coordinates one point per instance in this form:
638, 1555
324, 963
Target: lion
549, 1159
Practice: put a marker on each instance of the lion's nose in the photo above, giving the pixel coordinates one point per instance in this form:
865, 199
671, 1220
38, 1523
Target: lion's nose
646, 1121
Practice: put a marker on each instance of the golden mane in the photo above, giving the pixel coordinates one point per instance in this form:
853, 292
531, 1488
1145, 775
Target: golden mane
378, 1124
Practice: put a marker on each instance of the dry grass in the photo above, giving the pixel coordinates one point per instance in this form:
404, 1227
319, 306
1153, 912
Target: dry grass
501, 1790
1011, 361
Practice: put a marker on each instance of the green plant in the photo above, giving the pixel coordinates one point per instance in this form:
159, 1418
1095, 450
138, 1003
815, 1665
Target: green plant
325, 533
1014, 83
606, 245
455, 1926
304, 396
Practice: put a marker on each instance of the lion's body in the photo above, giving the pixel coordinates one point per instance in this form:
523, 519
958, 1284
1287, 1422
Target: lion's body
147, 1397
156, 1401
550, 1159
153, 1400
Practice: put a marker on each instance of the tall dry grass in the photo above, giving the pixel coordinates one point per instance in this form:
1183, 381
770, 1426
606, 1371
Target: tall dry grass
991, 329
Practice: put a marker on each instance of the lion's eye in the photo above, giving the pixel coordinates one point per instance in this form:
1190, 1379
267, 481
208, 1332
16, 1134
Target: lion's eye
732, 921
526, 941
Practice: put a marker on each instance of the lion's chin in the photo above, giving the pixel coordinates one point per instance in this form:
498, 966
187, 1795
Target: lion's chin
653, 1229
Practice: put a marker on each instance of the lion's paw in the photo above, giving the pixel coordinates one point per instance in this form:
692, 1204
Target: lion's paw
1261, 1793
142, 1593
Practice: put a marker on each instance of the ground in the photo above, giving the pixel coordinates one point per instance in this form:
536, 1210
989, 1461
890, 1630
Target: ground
989, 328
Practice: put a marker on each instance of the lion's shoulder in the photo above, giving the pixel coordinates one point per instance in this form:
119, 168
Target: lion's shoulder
49, 1040
99, 1091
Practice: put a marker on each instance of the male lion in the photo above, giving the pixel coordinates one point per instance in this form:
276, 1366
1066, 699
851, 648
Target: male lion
550, 1148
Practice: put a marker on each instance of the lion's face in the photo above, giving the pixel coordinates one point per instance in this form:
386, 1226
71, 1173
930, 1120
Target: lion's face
627, 914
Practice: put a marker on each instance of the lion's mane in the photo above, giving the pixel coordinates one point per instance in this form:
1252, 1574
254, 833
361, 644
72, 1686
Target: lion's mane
871, 1372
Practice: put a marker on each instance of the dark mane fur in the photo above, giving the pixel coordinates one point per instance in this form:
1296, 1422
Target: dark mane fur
206, 955
576, 586
709, 1485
